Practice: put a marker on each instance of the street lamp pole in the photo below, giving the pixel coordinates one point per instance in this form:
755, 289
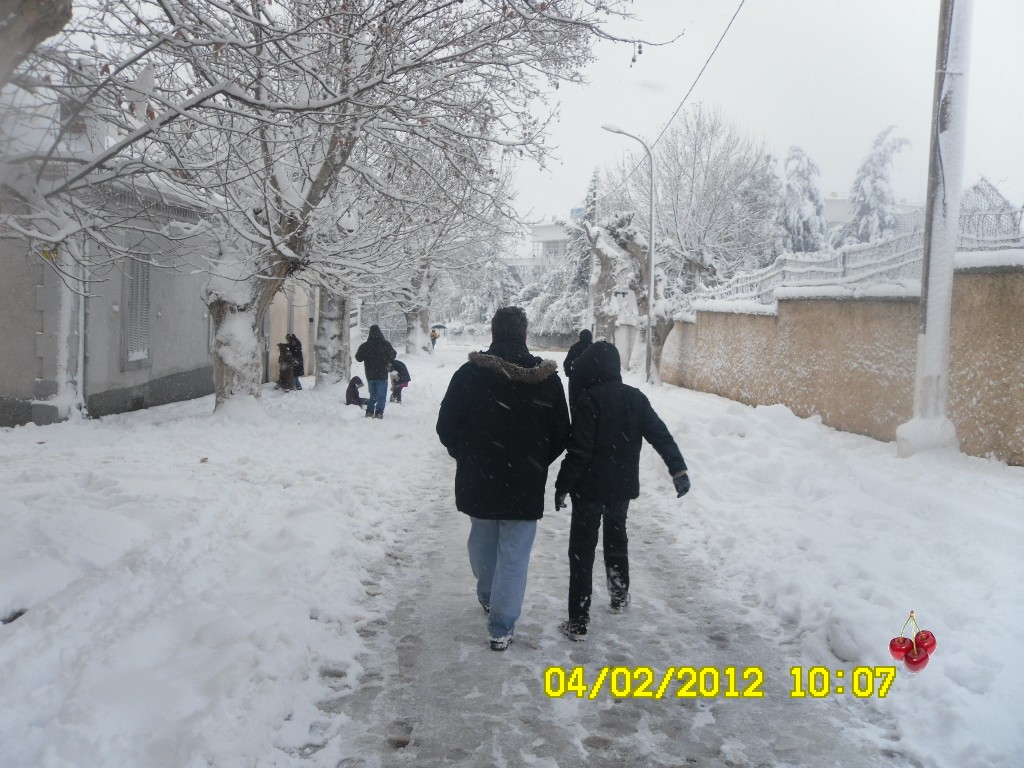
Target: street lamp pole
650, 244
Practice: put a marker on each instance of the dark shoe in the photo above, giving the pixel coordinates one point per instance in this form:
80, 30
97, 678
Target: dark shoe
369, 414
485, 606
501, 643
379, 415
619, 604
574, 630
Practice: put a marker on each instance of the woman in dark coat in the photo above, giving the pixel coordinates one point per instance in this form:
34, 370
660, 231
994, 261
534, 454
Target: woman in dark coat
375, 354
298, 364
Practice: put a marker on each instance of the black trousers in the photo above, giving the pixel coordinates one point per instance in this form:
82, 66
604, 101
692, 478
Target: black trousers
586, 521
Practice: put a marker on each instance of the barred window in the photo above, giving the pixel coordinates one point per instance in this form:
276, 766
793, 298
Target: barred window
135, 303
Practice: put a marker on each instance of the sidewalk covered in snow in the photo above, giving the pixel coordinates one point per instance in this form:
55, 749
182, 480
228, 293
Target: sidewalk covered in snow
285, 583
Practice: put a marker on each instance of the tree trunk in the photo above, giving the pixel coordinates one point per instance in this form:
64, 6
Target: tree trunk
333, 339
417, 331
237, 367
24, 24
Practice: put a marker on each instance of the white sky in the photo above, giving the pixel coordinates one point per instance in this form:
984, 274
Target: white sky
826, 75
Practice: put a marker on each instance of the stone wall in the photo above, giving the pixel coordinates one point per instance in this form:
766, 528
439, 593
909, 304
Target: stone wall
852, 361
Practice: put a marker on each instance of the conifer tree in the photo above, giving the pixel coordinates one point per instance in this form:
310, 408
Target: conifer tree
803, 214
871, 198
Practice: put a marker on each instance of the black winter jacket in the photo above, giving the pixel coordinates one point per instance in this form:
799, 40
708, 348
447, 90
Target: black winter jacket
504, 420
402, 370
375, 353
610, 420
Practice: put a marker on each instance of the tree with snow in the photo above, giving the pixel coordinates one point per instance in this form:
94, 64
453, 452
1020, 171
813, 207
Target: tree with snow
803, 208
872, 203
562, 301
290, 120
717, 199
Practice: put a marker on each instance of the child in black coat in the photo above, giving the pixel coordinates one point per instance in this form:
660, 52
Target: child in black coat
601, 474
352, 393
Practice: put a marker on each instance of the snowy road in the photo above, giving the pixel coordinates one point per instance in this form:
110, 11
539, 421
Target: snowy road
437, 695
285, 585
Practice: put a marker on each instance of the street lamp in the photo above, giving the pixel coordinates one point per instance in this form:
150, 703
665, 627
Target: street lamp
650, 245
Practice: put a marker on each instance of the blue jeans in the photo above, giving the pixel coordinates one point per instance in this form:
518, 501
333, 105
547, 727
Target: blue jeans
499, 553
378, 395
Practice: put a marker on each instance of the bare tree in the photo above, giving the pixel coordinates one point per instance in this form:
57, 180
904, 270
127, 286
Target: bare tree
299, 127
717, 209
336, 102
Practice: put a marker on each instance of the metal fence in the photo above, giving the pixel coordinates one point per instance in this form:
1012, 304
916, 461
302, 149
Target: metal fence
894, 260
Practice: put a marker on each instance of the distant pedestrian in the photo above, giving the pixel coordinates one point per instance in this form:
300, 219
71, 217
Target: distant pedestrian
400, 379
600, 473
285, 368
433, 338
352, 396
299, 364
375, 353
504, 421
577, 349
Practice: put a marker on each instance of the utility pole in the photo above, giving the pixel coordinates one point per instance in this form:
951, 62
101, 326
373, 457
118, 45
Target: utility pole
931, 426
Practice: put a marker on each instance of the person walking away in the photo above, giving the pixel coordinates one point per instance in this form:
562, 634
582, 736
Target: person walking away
375, 353
298, 362
400, 379
577, 349
433, 338
352, 396
601, 474
504, 420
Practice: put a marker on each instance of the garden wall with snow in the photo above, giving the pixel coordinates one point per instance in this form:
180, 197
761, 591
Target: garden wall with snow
850, 356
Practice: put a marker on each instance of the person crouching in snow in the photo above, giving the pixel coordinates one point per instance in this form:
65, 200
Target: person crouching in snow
400, 379
601, 474
352, 393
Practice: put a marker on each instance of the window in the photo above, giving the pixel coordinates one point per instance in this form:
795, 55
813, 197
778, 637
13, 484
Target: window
135, 309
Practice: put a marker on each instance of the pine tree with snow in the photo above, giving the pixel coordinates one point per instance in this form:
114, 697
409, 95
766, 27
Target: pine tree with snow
872, 202
803, 213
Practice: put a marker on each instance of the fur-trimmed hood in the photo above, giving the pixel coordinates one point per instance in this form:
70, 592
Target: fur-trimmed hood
512, 371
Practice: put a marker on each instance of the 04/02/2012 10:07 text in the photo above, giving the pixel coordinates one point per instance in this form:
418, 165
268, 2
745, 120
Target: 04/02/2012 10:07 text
685, 682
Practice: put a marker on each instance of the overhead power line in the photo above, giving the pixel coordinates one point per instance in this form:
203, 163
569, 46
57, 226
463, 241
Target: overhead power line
681, 103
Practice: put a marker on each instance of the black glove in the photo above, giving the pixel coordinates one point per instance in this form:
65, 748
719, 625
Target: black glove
682, 484
560, 500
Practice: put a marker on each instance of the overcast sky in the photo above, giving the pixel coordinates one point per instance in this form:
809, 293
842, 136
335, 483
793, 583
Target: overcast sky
826, 75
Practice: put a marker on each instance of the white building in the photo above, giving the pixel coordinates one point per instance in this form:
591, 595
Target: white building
547, 246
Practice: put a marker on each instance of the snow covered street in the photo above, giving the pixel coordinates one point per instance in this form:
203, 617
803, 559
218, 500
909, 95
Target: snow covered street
285, 583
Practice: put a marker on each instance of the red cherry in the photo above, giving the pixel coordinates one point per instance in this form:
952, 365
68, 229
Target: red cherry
916, 659
899, 646
926, 640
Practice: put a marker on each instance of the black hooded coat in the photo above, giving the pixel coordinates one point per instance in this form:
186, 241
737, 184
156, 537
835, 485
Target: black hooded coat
375, 353
610, 421
504, 420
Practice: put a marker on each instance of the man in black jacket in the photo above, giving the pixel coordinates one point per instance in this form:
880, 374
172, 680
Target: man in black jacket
601, 473
376, 353
577, 349
504, 420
